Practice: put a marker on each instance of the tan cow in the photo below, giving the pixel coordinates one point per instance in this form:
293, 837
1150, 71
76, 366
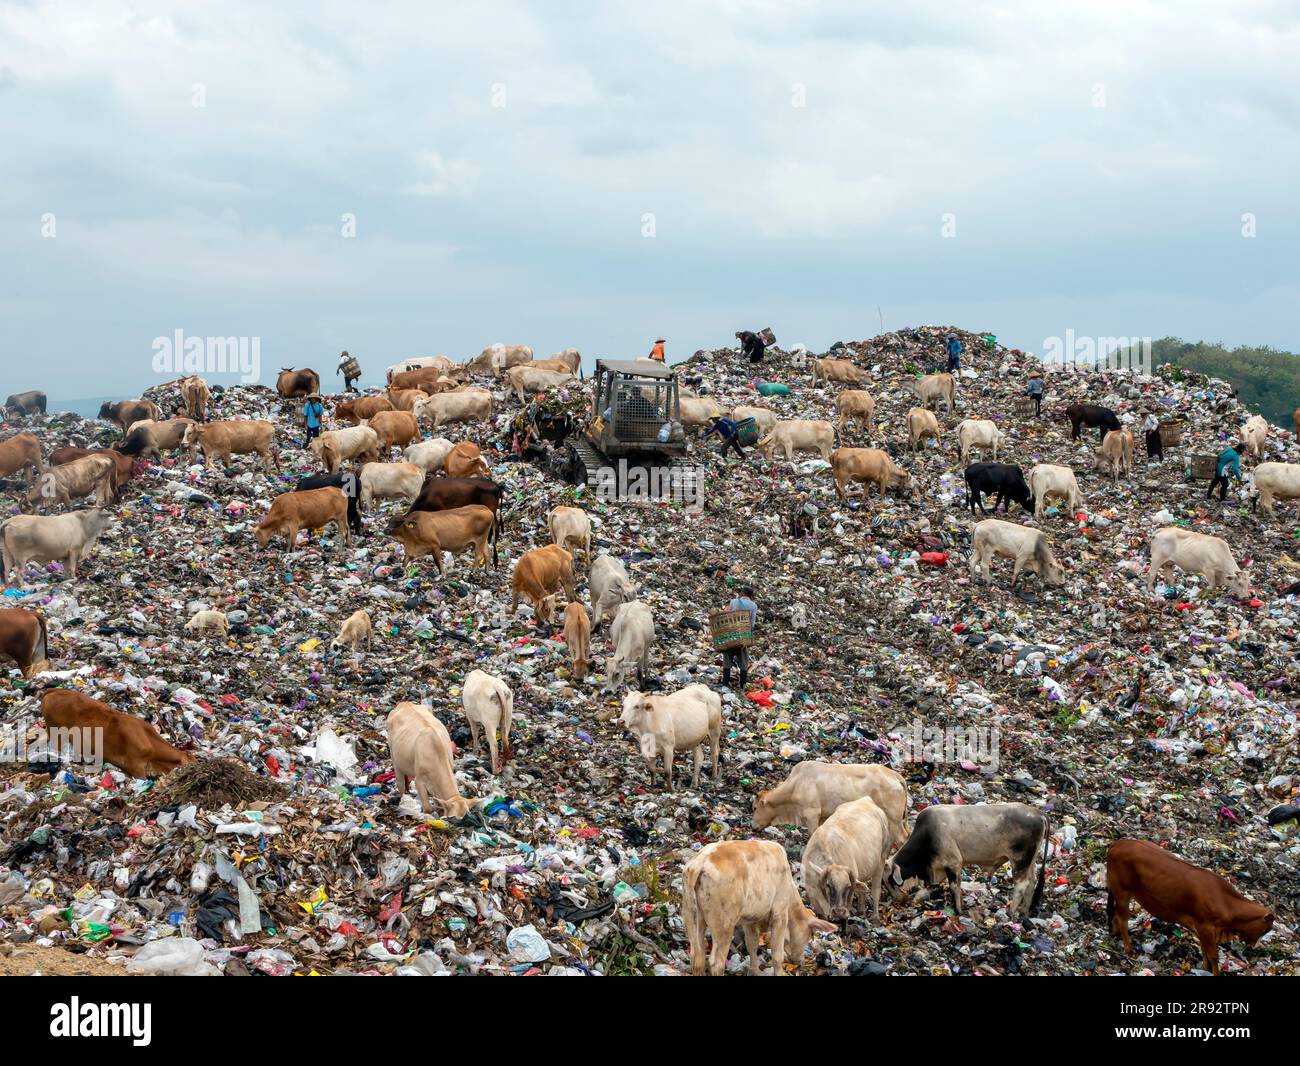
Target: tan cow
463, 405
309, 509
1115, 455
22, 451
527, 380
921, 425
870, 466
699, 410
73, 481
844, 861
982, 433
814, 790
488, 704
394, 429
538, 575
745, 883
1196, 553
764, 418
406, 399
129, 743
1058, 482
390, 481
1253, 435
681, 721
799, 435
244, 436
932, 388
421, 750
1276, 481
839, 370
208, 622
577, 637
355, 631
125, 412
433, 532
197, 396
334, 446
297, 384
149, 439
465, 460
570, 526
358, 410
23, 638
857, 405
1024, 544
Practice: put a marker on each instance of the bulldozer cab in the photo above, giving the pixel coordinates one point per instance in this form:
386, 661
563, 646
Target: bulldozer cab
632, 402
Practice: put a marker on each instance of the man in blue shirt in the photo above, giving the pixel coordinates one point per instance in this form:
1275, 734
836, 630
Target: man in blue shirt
725, 428
954, 353
739, 657
1034, 390
1228, 460
313, 412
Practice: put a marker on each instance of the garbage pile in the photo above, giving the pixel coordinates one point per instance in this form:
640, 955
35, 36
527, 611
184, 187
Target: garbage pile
285, 849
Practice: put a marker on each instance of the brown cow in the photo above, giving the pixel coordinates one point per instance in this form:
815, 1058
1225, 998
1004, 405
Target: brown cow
394, 428
196, 394
444, 493
148, 439
19, 452
465, 460
125, 741
297, 384
1176, 891
405, 399
429, 380
358, 410
242, 436
74, 480
127, 411
869, 466
434, 532
23, 638
124, 465
538, 575
309, 509
839, 370
27, 403
577, 637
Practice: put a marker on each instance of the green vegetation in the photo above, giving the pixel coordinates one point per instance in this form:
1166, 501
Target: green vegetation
1268, 381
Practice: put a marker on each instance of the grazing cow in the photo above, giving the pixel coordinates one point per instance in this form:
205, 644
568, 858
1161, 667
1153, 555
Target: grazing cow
453, 530
746, 883
23, 639
347, 483
538, 575
921, 426
208, 622
569, 358
75, 480
428, 380
1253, 435
799, 435
1005, 482
682, 721
979, 433
1275, 481
420, 362
870, 466
123, 465
528, 380
465, 460
394, 429
334, 446
390, 481
1087, 415
1196, 553
421, 750
406, 399
764, 418
948, 836
935, 387
444, 493
488, 704
1046, 480
355, 631
22, 451
1178, 892
699, 410
358, 410
813, 791
844, 860
309, 509
1027, 546
149, 439
429, 455
27, 403
570, 525
577, 637
496, 359
125, 412
463, 405
297, 384
61, 538
857, 405
633, 633
244, 436
1115, 455
839, 370
129, 743
197, 396
610, 587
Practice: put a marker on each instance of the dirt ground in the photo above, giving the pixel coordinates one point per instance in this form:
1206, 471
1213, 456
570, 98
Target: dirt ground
28, 960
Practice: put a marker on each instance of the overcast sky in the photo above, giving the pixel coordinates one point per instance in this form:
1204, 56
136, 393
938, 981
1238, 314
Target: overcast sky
800, 162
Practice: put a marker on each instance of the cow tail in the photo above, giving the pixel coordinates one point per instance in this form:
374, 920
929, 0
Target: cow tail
1042, 869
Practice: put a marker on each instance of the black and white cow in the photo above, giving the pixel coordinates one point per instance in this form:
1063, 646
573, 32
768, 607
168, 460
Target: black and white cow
1003, 480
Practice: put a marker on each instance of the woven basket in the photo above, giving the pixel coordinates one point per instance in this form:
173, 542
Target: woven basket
730, 629
747, 432
1202, 466
1171, 434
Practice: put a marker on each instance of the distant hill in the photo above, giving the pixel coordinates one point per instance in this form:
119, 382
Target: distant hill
1266, 380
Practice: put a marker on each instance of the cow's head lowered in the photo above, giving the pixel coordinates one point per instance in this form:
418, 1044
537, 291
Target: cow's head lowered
839, 887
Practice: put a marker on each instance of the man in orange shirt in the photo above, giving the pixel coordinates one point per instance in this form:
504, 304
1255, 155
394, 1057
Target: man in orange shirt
657, 352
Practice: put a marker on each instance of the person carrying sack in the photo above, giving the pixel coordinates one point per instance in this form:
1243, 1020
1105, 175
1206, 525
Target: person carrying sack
351, 371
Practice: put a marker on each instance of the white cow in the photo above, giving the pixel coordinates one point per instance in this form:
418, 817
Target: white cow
1276, 481
1253, 435
61, 538
208, 622
682, 721
527, 380
980, 433
390, 481
1046, 480
845, 860
489, 705
429, 455
813, 791
610, 587
699, 410
764, 418
1026, 545
633, 632
336, 445
570, 525
420, 362
470, 404
1197, 553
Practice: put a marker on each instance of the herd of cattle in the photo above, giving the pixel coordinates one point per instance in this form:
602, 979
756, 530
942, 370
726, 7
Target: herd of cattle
855, 815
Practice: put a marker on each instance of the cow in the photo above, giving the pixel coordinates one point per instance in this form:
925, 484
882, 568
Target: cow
428, 380
839, 370
31, 402
764, 418
1178, 892
444, 493
123, 465
347, 483
1046, 480
244, 436
568, 357
463, 405
61, 538
394, 429
799, 435
857, 405
813, 791
149, 439
1001, 480
1087, 415
125, 412
197, 396
577, 637
498, 358
844, 860
528, 380
406, 399
390, 481
297, 384
633, 633
870, 466
208, 622
129, 743
419, 362
23, 638
538, 574
921, 426
681, 721
699, 410
610, 587
1027, 546
570, 525
935, 387
75, 480
979, 433
949, 836
1275, 481
22, 452
488, 704
465, 460
1115, 455
309, 509
1196, 553
452, 530
746, 883
355, 631
429, 455
1254, 434
334, 446
358, 410
421, 750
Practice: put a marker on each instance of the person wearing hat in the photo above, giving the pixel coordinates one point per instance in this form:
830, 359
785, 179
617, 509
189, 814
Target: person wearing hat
351, 370
657, 352
313, 413
1034, 390
954, 354
727, 432
1151, 429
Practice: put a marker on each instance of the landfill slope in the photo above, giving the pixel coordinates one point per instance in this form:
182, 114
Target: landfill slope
1170, 718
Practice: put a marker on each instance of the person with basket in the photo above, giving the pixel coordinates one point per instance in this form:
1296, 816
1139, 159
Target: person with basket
1034, 390
1229, 460
351, 371
1151, 429
731, 434
737, 656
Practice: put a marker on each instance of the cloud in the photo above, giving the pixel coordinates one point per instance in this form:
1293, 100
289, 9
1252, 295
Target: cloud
443, 177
